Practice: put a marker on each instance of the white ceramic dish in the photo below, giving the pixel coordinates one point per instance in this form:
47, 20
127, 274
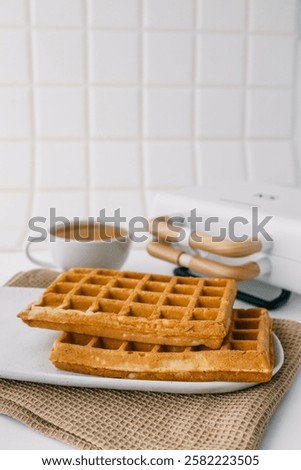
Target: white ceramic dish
24, 356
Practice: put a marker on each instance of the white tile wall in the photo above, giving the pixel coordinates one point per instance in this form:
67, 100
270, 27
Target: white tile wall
219, 113
115, 164
269, 113
57, 13
163, 53
71, 203
15, 113
129, 202
220, 15
117, 14
16, 165
14, 208
169, 14
60, 112
14, 64
58, 57
263, 156
220, 59
104, 102
271, 60
114, 112
273, 15
163, 162
68, 158
167, 113
13, 12
114, 57
220, 160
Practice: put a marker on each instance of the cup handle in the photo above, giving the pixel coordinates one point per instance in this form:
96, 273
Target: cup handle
45, 264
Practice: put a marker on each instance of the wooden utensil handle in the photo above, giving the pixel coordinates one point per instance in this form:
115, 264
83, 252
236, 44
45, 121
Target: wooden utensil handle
165, 252
232, 249
167, 232
202, 265
163, 230
215, 269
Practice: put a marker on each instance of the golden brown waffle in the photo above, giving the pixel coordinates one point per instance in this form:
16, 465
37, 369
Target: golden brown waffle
246, 355
140, 307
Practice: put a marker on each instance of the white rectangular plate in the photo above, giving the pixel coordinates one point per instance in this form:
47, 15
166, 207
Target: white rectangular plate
24, 355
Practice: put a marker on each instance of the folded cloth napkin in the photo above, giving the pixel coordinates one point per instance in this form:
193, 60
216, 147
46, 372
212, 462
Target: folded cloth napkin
109, 419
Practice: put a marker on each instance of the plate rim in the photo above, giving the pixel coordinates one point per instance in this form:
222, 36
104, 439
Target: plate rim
71, 379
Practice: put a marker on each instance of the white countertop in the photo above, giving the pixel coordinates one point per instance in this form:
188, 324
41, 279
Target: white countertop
283, 431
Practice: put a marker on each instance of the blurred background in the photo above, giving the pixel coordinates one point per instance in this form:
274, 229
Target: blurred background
105, 102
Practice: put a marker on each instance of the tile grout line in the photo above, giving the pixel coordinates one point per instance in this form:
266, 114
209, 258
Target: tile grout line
141, 111
133, 86
246, 159
294, 122
294, 102
49, 189
146, 29
32, 190
152, 138
194, 103
87, 143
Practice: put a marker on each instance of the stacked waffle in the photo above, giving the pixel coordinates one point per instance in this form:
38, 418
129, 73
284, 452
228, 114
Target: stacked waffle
148, 326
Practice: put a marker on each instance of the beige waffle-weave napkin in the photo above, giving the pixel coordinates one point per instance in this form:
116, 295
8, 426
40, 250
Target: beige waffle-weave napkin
110, 419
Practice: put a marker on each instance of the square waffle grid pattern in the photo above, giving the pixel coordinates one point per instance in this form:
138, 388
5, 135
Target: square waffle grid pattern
248, 330
137, 306
246, 355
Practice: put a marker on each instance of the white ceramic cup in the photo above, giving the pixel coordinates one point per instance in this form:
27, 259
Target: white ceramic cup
108, 253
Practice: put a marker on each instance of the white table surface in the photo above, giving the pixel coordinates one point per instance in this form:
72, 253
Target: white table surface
283, 431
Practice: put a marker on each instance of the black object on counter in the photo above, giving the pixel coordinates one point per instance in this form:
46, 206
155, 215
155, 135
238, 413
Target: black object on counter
273, 304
